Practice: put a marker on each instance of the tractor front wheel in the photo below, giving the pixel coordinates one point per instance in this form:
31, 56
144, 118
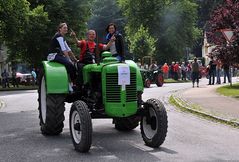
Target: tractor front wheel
154, 123
80, 126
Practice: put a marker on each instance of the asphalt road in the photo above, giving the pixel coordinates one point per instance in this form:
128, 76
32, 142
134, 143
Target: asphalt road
189, 138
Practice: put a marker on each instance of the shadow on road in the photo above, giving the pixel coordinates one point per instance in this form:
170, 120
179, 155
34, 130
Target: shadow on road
21, 139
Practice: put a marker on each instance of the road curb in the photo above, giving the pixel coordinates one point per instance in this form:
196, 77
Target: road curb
1, 104
17, 89
185, 106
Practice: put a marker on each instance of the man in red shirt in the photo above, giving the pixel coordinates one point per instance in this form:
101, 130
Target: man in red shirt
88, 52
165, 69
176, 70
88, 47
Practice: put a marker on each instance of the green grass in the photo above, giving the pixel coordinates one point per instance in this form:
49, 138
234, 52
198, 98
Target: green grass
175, 81
231, 91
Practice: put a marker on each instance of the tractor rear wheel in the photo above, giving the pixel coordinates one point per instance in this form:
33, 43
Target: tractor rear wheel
126, 124
159, 80
80, 126
154, 123
51, 110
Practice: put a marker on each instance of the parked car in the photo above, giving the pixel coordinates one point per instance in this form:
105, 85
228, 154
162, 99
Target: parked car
23, 74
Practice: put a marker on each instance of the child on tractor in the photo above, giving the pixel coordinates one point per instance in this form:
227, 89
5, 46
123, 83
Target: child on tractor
60, 52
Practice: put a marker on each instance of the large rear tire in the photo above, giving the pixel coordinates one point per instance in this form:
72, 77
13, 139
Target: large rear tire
51, 110
126, 124
80, 126
154, 123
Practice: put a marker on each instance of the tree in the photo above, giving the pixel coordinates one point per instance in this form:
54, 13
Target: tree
178, 30
142, 44
13, 16
13, 21
75, 13
172, 23
25, 31
103, 13
205, 9
225, 16
26, 27
35, 36
142, 12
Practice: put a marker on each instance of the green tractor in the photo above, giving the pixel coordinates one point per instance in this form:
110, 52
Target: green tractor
152, 76
110, 89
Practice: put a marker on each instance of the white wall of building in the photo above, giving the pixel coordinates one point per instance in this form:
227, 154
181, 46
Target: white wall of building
206, 49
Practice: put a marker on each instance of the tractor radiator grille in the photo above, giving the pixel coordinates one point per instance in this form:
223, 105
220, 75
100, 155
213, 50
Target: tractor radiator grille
131, 94
113, 90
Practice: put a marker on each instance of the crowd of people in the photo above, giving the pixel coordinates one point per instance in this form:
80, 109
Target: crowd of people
194, 71
215, 71
175, 70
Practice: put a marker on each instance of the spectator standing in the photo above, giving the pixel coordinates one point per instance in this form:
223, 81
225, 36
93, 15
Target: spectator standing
226, 71
5, 76
218, 71
183, 71
14, 78
34, 76
176, 71
165, 69
212, 71
171, 71
195, 72
188, 71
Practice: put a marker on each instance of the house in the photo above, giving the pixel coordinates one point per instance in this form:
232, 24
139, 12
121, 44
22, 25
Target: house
206, 49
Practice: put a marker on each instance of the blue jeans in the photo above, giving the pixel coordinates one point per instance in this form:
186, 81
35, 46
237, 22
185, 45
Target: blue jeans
218, 71
70, 68
195, 77
118, 57
227, 74
212, 74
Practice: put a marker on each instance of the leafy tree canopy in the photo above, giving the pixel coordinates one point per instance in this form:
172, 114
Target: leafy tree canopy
142, 44
26, 27
103, 13
225, 16
172, 23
